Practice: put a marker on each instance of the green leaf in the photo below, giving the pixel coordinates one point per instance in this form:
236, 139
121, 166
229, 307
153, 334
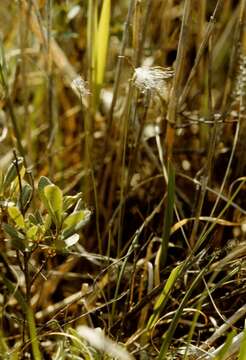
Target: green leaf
32, 219
54, 197
75, 222
163, 298
221, 355
18, 239
71, 240
28, 311
11, 174
31, 232
47, 222
69, 201
242, 353
16, 216
26, 195
43, 182
102, 40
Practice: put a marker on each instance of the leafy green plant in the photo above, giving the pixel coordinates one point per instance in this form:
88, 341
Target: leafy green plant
53, 226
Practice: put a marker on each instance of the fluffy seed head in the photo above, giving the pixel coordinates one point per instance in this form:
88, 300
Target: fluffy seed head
79, 85
151, 78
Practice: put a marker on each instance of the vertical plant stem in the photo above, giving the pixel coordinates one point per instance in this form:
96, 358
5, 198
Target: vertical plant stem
49, 84
27, 310
91, 75
242, 103
119, 64
177, 81
91, 55
23, 45
209, 30
12, 115
124, 176
172, 327
90, 164
136, 31
168, 218
144, 28
211, 149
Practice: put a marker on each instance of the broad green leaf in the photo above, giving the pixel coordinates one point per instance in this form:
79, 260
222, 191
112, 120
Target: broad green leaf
43, 182
11, 173
69, 201
18, 239
26, 195
31, 232
54, 197
15, 185
102, 40
16, 216
47, 222
71, 240
75, 222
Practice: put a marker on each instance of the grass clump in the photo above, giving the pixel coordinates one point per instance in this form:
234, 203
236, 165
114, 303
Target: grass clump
122, 207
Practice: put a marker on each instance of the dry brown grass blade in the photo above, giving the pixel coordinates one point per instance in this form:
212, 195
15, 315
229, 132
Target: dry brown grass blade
56, 53
222, 222
240, 313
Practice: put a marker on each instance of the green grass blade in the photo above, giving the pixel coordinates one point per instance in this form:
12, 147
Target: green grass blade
163, 298
27, 310
221, 355
168, 218
242, 353
92, 39
102, 41
170, 332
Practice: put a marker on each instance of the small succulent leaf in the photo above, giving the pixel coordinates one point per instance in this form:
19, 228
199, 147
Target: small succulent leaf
43, 182
54, 198
69, 201
79, 205
75, 222
32, 219
71, 240
31, 232
59, 244
14, 187
26, 195
39, 218
47, 222
16, 216
18, 239
73, 219
11, 173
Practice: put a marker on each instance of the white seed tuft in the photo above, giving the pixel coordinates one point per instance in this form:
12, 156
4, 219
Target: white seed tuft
151, 78
79, 85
